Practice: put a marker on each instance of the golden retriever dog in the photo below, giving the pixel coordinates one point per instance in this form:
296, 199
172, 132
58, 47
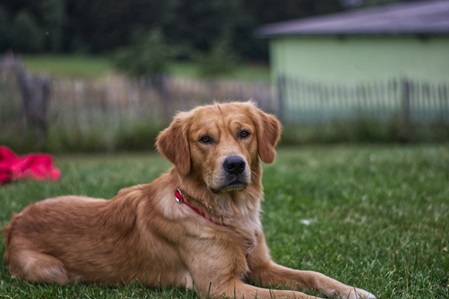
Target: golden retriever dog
196, 226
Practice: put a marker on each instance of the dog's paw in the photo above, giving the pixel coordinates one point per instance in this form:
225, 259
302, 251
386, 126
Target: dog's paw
359, 294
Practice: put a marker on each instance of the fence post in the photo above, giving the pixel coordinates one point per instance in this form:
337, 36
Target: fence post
281, 91
161, 84
405, 86
35, 92
444, 101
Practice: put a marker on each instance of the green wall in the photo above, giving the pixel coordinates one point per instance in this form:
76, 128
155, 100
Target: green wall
355, 59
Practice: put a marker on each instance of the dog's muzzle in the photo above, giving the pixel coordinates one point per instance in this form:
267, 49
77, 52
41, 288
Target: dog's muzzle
234, 176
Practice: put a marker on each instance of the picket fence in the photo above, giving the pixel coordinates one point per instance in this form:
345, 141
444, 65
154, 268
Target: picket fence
112, 103
411, 101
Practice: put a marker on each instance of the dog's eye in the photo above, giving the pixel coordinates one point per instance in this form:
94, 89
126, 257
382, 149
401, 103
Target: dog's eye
244, 134
206, 139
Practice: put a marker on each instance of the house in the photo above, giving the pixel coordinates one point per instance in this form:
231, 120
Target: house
376, 63
398, 40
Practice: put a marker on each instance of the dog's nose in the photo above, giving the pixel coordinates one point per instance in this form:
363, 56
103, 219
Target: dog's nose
234, 164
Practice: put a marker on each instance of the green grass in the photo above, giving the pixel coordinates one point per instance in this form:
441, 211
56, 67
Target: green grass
242, 72
75, 66
91, 67
378, 216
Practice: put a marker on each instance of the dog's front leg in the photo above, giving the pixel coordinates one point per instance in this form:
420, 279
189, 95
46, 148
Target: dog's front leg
220, 277
278, 276
237, 289
267, 273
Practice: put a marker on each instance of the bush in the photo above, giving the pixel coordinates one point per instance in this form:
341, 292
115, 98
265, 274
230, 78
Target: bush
131, 137
138, 136
364, 131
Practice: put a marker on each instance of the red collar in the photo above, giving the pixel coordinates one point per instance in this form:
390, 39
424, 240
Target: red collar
180, 199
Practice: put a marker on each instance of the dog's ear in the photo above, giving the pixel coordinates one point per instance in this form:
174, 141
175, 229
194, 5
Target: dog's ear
174, 145
268, 134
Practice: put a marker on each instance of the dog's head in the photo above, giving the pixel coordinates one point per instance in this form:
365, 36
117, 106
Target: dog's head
220, 144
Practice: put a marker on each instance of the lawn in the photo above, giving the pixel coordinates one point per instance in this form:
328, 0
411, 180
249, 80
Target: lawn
74, 66
376, 217
91, 67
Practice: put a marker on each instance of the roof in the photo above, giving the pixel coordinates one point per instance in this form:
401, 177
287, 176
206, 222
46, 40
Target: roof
423, 17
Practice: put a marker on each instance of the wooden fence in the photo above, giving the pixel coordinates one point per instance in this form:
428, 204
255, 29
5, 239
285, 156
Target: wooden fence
412, 101
114, 103
116, 100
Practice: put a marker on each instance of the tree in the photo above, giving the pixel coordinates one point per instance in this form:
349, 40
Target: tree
28, 36
199, 23
53, 20
102, 26
5, 30
147, 57
97, 26
219, 61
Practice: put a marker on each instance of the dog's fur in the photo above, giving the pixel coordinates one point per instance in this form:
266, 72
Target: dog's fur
215, 246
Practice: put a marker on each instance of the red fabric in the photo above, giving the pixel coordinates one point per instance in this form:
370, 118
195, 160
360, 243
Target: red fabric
35, 166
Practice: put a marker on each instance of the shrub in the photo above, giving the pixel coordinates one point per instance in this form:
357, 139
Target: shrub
364, 131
